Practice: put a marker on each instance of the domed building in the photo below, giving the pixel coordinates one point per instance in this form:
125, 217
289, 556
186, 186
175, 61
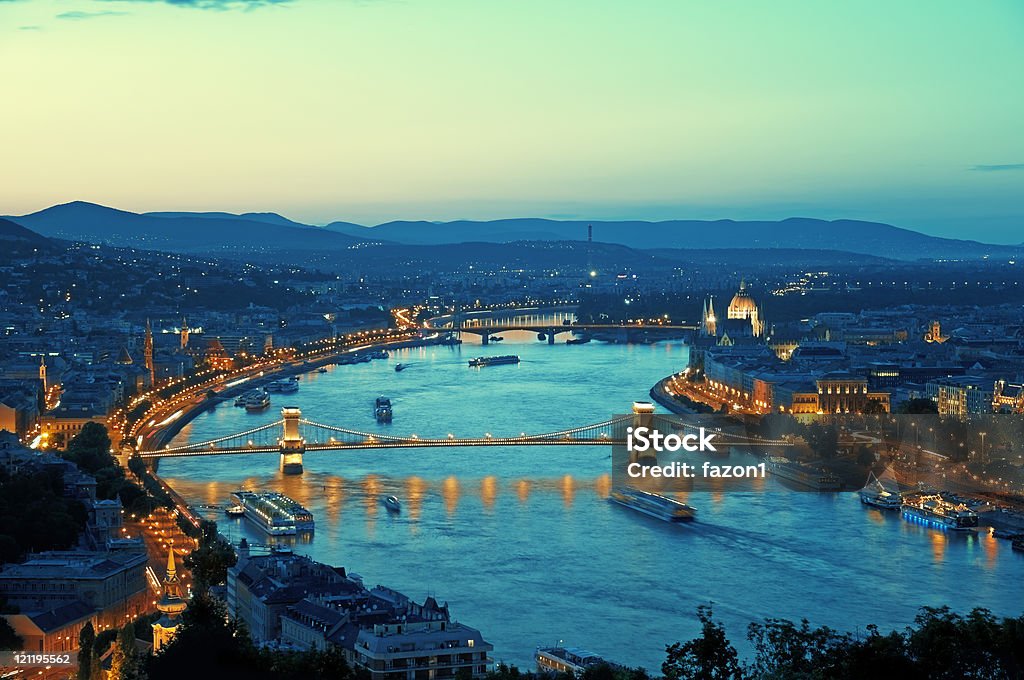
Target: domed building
744, 317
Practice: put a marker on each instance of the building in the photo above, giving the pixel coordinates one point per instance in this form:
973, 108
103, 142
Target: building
841, 392
292, 602
743, 307
65, 422
411, 649
52, 631
963, 395
112, 585
171, 605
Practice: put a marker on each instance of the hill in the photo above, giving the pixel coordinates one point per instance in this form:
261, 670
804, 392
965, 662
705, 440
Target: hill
868, 238
209, 233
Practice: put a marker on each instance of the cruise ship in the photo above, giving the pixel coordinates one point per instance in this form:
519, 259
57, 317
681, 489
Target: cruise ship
571, 660
804, 475
934, 510
257, 401
655, 505
882, 492
274, 512
495, 361
287, 386
382, 410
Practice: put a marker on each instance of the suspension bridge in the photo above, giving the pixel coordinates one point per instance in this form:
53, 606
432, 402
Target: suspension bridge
293, 436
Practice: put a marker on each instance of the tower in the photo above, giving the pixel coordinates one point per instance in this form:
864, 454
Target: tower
42, 372
171, 605
708, 320
184, 334
148, 350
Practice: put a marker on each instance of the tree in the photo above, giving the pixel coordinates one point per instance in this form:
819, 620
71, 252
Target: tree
125, 663
919, 406
783, 649
708, 657
865, 456
90, 449
9, 640
209, 563
86, 640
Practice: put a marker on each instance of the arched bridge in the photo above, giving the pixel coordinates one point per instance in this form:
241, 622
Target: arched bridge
486, 328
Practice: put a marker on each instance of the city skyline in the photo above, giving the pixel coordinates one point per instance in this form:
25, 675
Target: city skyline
375, 111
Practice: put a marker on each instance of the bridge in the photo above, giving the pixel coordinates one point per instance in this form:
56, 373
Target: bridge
292, 436
547, 331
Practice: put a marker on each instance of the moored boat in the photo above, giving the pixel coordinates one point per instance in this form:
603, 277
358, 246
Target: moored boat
936, 511
274, 512
882, 492
257, 401
235, 511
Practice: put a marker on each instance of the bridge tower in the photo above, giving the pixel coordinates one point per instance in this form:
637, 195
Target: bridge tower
292, 443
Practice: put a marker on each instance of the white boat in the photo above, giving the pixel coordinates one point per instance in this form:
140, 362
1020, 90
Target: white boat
655, 505
257, 401
235, 511
882, 492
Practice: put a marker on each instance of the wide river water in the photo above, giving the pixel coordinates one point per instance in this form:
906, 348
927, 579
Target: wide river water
522, 542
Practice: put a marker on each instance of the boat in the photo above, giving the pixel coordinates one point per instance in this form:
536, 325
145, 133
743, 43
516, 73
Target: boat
382, 410
290, 386
577, 341
322, 369
235, 511
257, 401
400, 367
497, 338
393, 504
934, 510
882, 492
804, 475
274, 512
240, 399
495, 361
568, 660
655, 505
379, 354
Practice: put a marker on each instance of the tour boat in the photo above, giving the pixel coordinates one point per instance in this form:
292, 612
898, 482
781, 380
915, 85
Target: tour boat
257, 401
935, 511
652, 504
382, 410
882, 492
235, 511
494, 361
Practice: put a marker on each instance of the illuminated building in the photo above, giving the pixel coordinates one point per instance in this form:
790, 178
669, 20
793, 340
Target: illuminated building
148, 350
171, 605
743, 306
934, 333
840, 392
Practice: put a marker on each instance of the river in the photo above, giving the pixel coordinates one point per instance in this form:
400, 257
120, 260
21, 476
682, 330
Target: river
522, 543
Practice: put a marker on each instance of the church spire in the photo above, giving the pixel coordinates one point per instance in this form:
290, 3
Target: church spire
148, 350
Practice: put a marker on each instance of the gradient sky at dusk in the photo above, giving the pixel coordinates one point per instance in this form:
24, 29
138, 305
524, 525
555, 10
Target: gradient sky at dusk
909, 112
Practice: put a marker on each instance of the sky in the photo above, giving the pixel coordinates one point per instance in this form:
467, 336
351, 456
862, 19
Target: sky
910, 113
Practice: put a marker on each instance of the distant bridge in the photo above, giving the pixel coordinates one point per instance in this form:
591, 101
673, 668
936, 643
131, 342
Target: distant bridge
485, 328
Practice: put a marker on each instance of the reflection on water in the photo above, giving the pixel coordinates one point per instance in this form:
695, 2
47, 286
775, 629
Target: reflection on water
536, 522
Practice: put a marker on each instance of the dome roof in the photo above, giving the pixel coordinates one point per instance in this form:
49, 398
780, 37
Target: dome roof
742, 305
